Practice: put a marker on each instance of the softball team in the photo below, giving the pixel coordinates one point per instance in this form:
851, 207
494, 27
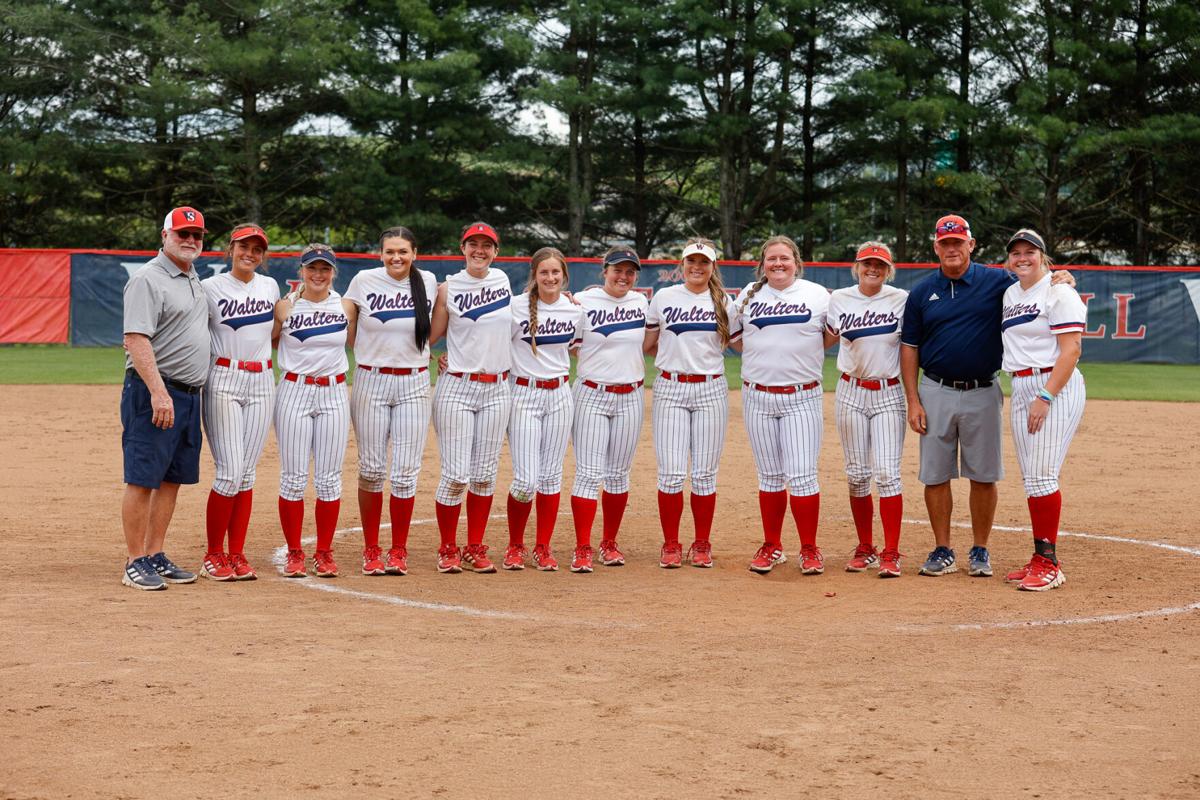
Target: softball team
782, 317
544, 325
609, 404
312, 410
1042, 331
688, 327
870, 410
473, 400
389, 310
237, 398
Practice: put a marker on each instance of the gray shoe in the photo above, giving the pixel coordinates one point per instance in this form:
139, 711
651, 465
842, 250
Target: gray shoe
981, 563
169, 571
140, 574
940, 562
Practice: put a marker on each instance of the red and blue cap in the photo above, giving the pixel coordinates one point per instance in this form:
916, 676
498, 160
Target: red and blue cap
481, 229
1026, 235
184, 217
951, 226
621, 257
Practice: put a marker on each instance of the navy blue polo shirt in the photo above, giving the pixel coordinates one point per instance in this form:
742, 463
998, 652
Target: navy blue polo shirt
955, 324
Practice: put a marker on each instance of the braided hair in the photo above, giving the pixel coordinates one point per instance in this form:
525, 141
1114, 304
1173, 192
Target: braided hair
762, 271
716, 288
539, 258
422, 325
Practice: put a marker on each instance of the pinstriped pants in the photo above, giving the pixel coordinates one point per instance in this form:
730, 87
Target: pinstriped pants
606, 430
1041, 455
538, 433
689, 420
871, 425
785, 432
470, 418
311, 421
237, 412
391, 408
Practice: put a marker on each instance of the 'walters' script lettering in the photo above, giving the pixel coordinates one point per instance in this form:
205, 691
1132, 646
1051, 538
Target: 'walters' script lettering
397, 302
251, 305
673, 315
867, 319
598, 316
314, 320
466, 302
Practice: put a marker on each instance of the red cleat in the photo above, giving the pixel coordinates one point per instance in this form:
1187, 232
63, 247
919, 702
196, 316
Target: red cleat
543, 560
767, 557
475, 558
610, 556
811, 560
397, 561
242, 571
1043, 575
700, 554
582, 560
216, 567
889, 564
672, 556
865, 556
449, 559
514, 556
373, 561
324, 565
1018, 575
294, 568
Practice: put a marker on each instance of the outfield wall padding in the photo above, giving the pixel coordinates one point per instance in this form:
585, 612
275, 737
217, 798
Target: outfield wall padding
1135, 314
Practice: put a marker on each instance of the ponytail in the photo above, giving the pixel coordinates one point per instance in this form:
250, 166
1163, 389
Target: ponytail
422, 324
717, 289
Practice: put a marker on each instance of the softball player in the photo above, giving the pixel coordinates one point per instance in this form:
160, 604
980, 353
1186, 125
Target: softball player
1042, 332
870, 410
782, 318
472, 401
237, 397
690, 325
544, 325
389, 311
312, 414
609, 404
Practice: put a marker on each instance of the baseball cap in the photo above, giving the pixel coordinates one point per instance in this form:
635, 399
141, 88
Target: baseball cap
874, 251
249, 232
481, 229
1026, 235
701, 248
951, 226
322, 253
621, 256
184, 217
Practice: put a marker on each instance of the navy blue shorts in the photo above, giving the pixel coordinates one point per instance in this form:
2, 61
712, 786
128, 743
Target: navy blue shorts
154, 455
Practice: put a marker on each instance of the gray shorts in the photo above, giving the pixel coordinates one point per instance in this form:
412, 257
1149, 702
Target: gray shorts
962, 427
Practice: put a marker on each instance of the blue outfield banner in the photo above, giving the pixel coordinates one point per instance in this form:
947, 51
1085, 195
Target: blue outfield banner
1138, 314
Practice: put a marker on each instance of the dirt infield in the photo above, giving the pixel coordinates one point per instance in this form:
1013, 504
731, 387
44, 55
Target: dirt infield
628, 683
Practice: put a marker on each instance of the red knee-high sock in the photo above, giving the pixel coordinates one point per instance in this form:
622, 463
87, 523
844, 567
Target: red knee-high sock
583, 512
863, 511
1044, 513
518, 518
291, 519
703, 507
401, 509
547, 515
370, 508
614, 511
772, 506
239, 521
478, 508
806, 511
447, 520
891, 509
327, 518
216, 520
670, 509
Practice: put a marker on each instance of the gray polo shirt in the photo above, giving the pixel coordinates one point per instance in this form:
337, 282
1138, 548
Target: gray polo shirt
168, 305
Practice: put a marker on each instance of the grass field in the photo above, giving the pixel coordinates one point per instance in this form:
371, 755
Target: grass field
60, 364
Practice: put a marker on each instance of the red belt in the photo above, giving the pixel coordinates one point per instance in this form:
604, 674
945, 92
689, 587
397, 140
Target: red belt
318, 380
782, 389
684, 378
873, 385
393, 370
1025, 373
553, 383
481, 377
249, 366
614, 388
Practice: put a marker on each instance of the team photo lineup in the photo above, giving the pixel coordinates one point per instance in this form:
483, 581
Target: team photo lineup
922, 363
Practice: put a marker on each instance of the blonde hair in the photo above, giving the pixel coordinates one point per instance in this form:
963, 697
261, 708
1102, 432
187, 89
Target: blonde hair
716, 288
539, 258
761, 268
891, 273
314, 247
1047, 262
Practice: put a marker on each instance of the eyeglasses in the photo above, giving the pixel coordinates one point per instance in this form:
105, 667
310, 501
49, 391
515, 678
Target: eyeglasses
185, 235
951, 227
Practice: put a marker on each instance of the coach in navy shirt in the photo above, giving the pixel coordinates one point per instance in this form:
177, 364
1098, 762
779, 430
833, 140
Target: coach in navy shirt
952, 332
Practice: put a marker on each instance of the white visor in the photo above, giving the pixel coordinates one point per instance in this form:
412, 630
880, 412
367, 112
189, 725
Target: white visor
702, 249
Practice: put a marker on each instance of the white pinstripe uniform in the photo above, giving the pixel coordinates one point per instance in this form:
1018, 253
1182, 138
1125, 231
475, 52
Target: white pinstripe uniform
311, 419
540, 426
238, 402
608, 424
1032, 321
783, 346
870, 422
470, 417
689, 419
391, 407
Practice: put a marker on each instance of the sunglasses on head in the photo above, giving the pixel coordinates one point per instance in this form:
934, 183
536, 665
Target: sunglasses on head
185, 235
951, 227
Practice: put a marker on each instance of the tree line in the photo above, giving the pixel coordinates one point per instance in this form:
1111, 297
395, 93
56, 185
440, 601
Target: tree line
829, 120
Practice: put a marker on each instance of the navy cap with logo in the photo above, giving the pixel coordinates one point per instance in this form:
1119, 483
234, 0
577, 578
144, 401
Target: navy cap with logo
1026, 235
622, 256
314, 253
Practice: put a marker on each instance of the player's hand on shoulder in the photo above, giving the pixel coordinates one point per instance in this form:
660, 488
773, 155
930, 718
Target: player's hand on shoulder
1060, 277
